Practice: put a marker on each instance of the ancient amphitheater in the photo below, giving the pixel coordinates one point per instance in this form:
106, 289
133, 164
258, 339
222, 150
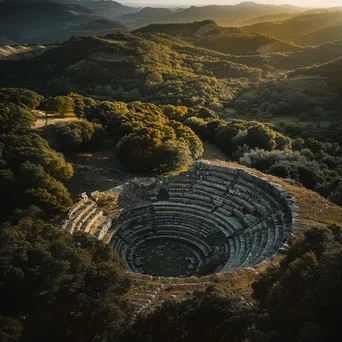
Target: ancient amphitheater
210, 219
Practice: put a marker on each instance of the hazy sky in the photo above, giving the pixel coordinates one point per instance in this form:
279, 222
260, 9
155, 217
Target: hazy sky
304, 3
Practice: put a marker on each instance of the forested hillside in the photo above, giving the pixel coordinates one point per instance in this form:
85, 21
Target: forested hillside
228, 40
46, 22
303, 28
231, 15
319, 37
135, 67
146, 16
104, 128
109, 9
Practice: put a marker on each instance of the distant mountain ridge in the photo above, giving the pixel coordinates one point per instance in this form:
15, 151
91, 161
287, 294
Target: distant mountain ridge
230, 40
228, 15
146, 15
43, 21
231, 14
296, 29
96, 27
320, 36
109, 9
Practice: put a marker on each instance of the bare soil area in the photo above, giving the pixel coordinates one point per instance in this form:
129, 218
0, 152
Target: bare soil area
99, 170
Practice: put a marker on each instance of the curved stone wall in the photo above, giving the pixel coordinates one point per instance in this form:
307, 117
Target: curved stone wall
210, 219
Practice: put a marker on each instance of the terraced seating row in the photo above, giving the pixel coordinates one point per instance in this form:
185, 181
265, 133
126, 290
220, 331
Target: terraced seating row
196, 246
85, 216
264, 240
222, 223
184, 211
211, 208
203, 194
126, 248
103, 227
183, 235
78, 215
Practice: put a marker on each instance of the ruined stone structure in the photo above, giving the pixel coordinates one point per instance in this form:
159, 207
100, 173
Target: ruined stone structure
210, 219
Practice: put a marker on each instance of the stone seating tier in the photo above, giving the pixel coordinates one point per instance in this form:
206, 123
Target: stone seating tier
210, 208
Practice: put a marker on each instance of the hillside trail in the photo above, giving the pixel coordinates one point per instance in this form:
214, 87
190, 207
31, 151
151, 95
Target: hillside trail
43, 119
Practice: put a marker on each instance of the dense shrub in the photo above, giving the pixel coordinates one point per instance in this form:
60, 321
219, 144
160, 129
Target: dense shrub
209, 316
59, 287
14, 118
20, 97
312, 163
147, 140
301, 297
31, 173
79, 135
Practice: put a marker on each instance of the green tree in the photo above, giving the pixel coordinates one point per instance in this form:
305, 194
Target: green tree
154, 78
31, 173
224, 137
209, 316
59, 287
336, 195
63, 105
42, 190
14, 118
20, 97
302, 296
261, 136
78, 135
242, 106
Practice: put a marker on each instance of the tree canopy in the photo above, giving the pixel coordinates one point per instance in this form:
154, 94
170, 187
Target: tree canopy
301, 297
209, 316
148, 141
59, 287
79, 135
31, 173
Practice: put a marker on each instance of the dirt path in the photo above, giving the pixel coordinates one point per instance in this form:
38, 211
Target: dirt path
44, 119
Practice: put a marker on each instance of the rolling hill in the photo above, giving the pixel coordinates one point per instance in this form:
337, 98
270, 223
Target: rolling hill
308, 56
330, 71
230, 40
27, 22
41, 21
146, 16
136, 67
47, 22
298, 28
270, 18
231, 15
109, 9
280, 62
321, 36
96, 27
